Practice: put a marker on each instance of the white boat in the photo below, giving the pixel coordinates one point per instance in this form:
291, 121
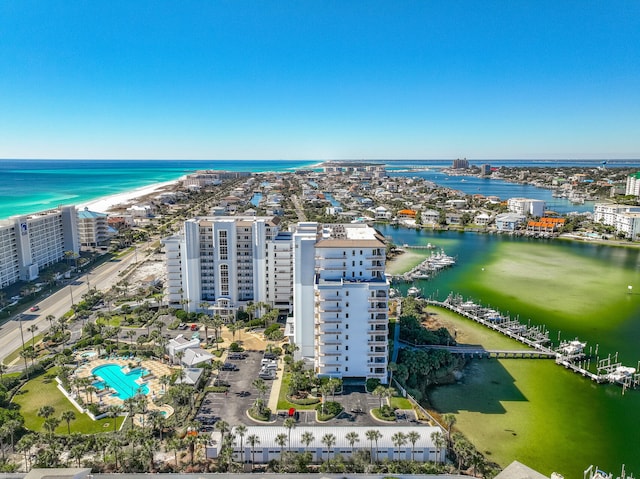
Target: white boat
413, 291
621, 373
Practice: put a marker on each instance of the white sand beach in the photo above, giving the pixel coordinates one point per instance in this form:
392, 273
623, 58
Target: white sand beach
107, 203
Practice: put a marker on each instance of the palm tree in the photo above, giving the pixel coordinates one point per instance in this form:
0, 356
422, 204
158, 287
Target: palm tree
399, 439
24, 445
449, 421
413, 437
461, 447
439, 441
373, 435
352, 437
11, 427
241, 430
223, 427
328, 440
46, 411
217, 323
32, 329
156, 418
68, 416
175, 444
115, 446
253, 441
50, 424
3, 369
307, 438
76, 453
50, 318
281, 440
289, 423
149, 447
113, 412
379, 392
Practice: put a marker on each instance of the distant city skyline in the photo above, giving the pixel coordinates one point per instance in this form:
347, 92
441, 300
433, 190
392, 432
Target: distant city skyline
320, 80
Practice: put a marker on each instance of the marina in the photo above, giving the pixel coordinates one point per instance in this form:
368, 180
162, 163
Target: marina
569, 354
429, 267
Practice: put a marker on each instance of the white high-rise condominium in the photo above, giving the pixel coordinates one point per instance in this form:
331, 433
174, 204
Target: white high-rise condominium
341, 304
330, 276
219, 264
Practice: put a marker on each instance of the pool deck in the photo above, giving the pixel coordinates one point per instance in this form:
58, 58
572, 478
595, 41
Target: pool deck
152, 380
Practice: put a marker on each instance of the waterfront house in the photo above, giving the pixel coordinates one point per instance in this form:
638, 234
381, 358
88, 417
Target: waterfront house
509, 221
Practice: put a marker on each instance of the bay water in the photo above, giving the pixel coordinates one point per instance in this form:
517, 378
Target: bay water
535, 411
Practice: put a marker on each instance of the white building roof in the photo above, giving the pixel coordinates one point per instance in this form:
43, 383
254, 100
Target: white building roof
267, 435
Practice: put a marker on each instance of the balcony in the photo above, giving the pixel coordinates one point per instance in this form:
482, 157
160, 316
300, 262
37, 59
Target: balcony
378, 307
333, 330
333, 267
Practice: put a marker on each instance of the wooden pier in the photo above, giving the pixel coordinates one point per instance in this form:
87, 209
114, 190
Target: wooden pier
569, 354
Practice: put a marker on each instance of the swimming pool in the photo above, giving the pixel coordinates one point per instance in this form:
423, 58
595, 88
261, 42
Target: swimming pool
124, 383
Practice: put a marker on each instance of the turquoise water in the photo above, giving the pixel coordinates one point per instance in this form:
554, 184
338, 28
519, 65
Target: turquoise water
29, 186
534, 411
125, 384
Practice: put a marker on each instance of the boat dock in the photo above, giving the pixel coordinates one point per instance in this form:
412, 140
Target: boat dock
569, 354
429, 267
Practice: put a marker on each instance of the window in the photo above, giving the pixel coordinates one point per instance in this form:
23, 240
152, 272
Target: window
346, 358
223, 247
224, 280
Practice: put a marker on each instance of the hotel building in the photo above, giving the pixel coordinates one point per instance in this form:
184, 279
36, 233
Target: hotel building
29, 243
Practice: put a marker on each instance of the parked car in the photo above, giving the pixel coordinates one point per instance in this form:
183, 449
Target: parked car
270, 356
269, 367
267, 374
236, 356
194, 327
182, 326
34, 308
229, 367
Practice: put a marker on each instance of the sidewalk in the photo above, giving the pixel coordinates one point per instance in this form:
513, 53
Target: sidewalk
275, 387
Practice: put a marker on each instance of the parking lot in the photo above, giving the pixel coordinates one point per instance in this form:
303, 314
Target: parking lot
232, 406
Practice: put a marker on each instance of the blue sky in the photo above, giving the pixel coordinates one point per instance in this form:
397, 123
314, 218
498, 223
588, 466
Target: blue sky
320, 79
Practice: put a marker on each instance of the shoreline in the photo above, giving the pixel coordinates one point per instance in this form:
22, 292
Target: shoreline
108, 203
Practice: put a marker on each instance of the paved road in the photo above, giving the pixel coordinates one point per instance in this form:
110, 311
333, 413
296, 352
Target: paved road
102, 278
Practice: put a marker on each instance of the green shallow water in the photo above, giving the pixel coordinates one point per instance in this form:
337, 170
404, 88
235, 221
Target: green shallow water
533, 410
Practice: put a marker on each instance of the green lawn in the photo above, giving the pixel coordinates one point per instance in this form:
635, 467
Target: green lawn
43, 391
398, 402
282, 397
113, 321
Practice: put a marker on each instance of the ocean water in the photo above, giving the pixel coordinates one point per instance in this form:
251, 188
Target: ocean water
534, 411
28, 186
